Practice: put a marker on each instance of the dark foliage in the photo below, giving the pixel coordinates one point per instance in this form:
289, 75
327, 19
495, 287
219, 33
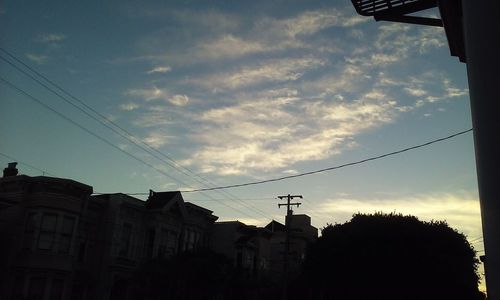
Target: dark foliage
390, 256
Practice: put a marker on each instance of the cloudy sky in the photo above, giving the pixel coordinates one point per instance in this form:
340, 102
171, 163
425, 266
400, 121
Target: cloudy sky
228, 92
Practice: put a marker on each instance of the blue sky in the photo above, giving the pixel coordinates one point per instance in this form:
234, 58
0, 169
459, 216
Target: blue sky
239, 91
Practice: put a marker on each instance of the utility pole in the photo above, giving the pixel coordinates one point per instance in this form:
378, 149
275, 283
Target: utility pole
289, 213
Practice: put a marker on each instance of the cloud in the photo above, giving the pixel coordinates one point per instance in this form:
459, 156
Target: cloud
247, 122
153, 119
155, 93
417, 92
229, 46
346, 78
208, 49
238, 37
396, 41
274, 70
148, 94
261, 135
36, 58
310, 22
445, 90
50, 38
179, 100
384, 59
430, 87
255, 135
451, 91
129, 106
165, 69
156, 139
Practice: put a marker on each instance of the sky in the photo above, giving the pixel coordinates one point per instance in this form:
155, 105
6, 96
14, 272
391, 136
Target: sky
228, 92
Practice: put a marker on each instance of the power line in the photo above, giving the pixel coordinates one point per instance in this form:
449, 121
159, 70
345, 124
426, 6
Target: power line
26, 164
311, 211
134, 140
31, 97
130, 138
331, 168
122, 132
215, 199
129, 194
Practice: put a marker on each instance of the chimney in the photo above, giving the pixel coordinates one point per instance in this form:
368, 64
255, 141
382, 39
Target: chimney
11, 170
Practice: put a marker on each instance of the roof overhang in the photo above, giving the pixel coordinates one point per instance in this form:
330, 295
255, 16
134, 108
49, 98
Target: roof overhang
400, 10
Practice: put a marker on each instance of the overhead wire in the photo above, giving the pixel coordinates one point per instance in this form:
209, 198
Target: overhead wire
177, 168
26, 164
122, 132
145, 194
335, 167
31, 97
331, 168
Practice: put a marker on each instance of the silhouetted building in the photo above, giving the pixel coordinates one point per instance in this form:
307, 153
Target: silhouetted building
58, 242
302, 233
138, 231
39, 234
246, 245
260, 250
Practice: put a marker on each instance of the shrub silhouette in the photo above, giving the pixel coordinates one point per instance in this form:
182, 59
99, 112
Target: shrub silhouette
390, 256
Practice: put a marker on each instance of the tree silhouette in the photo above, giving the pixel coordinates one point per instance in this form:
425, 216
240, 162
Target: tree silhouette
390, 256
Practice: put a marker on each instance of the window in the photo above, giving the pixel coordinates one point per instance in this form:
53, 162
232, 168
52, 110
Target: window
29, 231
162, 248
189, 239
125, 239
150, 242
68, 224
172, 243
47, 232
197, 240
192, 240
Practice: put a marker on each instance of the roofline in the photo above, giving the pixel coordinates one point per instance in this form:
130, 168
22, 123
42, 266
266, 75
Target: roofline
198, 207
107, 195
47, 178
